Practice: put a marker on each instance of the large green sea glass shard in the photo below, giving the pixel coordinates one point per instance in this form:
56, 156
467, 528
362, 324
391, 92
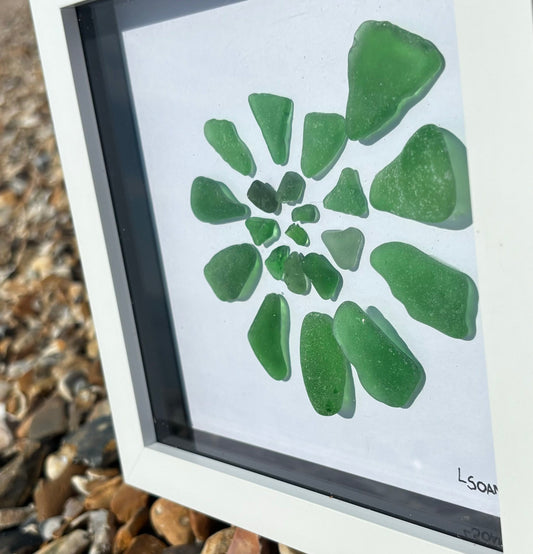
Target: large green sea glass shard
324, 277
389, 70
347, 196
274, 117
297, 234
223, 137
388, 372
306, 214
275, 263
323, 142
291, 189
345, 247
269, 336
263, 231
213, 202
432, 292
233, 273
428, 181
294, 275
263, 196
324, 366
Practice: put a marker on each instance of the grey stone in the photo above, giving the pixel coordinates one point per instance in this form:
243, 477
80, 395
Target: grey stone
94, 442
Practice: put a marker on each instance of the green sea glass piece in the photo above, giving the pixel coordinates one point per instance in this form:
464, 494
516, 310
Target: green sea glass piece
233, 273
324, 366
345, 247
389, 71
263, 196
297, 234
274, 117
388, 372
213, 202
324, 277
432, 292
323, 142
347, 196
428, 181
291, 189
275, 263
222, 135
269, 336
263, 231
306, 214
294, 275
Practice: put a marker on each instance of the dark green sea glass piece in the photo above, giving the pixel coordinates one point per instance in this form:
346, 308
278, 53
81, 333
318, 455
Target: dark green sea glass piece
274, 117
345, 247
306, 214
223, 137
323, 143
428, 181
324, 366
269, 336
263, 231
291, 189
263, 196
275, 263
213, 202
387, 371
233, 273
297, 234
389, 71
294, 275
347, 196
432, 292
324, 277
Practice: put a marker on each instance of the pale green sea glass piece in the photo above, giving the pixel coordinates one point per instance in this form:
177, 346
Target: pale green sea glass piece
347, 196
306, 214
323, 142
324, 366
213, 202
263, 231
428, 181
294, 275
345, 247
263, 196
275, 263
291, 189
324, 277
297, 234
269, 336
389, 71
386, 370
233, 273
274, 117
223, 137
432, 292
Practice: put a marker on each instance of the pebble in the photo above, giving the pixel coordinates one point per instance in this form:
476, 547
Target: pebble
71, 383
171, 521
219, 542
126, 501
55, 463
100, 496
94, 443
11, 517
283, 549
201, 525
246, 542
17, 541
101, 526
125, 534
73, 507
146, 544
49, 526
73, 543
184, 549
48, 420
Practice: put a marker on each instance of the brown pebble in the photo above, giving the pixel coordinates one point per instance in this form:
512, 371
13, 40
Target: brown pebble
48, 420
146, 544
126, 502
244, 542
73, 543
283, 549
100, 497
11, 517
171, 521
130, 530
201, 525
219, 542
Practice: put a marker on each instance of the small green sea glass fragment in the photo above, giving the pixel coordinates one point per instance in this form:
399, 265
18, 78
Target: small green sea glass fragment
324, 277
324, 366
345, 247
306, 214
275, 263
323, 142
294, 275
274, 117
269, 336
432, 292
233, 273
222, 135
263, 196
428, 181
291, 189
347, 196
297, 234
213, 202
388, 372
389, 71
263, 231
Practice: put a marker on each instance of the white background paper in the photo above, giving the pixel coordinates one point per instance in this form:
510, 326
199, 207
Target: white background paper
201, 66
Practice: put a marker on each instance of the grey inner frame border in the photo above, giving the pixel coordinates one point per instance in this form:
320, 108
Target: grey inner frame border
158, 344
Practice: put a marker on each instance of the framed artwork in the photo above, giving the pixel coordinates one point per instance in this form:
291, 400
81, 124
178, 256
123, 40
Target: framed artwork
287, 226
